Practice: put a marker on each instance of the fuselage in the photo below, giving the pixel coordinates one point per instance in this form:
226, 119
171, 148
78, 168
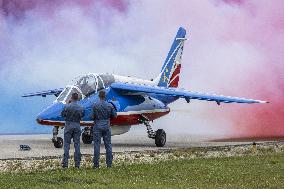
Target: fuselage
130, 107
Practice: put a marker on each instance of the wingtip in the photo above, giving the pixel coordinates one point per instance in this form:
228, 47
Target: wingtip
263, 102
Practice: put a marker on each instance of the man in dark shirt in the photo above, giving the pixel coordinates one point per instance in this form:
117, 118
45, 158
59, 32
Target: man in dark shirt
102, 112
73, 113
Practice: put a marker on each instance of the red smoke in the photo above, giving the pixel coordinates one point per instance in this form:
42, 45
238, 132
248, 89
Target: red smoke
262, 26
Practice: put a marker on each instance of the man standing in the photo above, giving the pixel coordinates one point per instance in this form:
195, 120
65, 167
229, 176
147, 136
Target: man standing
102, 112
73, 113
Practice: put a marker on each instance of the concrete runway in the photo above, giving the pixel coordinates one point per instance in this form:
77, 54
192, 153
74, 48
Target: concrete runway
41, 145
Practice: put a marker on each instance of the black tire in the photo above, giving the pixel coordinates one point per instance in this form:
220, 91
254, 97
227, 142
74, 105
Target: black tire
160, 138
58, 143
87, 139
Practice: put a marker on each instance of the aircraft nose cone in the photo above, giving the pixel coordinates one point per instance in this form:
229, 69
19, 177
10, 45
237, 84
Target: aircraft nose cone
39, 120
51, 113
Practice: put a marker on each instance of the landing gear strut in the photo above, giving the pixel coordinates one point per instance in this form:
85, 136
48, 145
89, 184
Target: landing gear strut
87, 135
57, 141
159, 136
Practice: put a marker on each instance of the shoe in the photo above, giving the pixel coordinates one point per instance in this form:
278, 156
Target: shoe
95, 167
64, 164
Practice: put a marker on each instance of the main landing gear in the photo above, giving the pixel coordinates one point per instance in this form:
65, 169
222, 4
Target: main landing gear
159, 136
57, 141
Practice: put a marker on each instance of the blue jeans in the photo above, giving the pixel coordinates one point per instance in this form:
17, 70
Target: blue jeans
72, 130
106, 134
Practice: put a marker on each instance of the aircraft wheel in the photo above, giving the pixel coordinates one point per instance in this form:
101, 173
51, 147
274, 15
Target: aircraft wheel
58, 143
160, 138
87, 139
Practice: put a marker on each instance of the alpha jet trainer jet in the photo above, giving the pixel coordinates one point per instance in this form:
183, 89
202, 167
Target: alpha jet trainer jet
137, 101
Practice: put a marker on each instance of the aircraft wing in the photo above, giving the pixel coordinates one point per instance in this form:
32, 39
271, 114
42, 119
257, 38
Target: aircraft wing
55, 92
129, 88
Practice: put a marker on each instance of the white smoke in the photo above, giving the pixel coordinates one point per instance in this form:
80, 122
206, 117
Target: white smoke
43, 52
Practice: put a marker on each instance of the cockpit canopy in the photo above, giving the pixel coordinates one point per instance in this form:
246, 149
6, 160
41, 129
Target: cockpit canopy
85, 86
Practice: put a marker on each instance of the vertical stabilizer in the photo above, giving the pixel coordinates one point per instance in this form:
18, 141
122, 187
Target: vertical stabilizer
169, 75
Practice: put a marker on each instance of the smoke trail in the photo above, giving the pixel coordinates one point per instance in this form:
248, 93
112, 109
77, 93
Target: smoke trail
262, 25
235, 48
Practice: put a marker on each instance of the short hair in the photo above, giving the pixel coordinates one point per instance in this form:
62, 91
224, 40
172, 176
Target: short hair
102, 94
75, 96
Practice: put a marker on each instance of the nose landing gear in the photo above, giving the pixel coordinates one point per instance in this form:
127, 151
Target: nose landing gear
87, 135
159, 135
57, 141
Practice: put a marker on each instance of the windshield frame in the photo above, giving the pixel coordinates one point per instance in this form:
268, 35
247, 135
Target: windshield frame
90, 83
67, 96
97, 82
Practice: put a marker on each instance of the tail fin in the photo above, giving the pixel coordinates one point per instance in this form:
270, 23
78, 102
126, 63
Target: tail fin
169, 75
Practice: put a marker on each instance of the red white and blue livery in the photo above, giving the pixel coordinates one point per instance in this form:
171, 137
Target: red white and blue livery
137, 101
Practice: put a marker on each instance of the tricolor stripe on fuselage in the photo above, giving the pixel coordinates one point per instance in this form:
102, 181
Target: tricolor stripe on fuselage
123, 118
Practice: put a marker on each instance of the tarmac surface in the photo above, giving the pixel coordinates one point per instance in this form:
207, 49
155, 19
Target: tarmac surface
41, 145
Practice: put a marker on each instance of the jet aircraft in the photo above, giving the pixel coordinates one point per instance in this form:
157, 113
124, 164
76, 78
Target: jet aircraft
137, 101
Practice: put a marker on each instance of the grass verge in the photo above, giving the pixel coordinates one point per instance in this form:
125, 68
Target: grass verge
262, 171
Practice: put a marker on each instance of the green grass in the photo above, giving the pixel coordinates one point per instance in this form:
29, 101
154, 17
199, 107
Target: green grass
265, 171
